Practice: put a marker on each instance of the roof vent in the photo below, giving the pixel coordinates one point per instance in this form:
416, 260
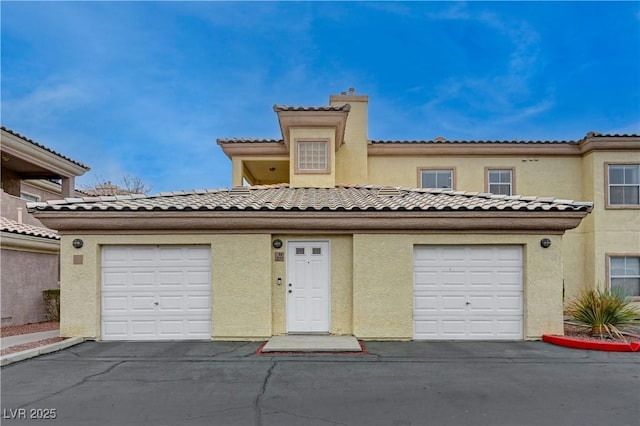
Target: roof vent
239, 191
440, 139
388, 191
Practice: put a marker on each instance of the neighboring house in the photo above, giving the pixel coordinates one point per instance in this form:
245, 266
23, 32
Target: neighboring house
343, 235
29, 250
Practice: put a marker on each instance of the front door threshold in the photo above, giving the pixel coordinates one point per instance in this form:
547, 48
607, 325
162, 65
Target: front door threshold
312, 343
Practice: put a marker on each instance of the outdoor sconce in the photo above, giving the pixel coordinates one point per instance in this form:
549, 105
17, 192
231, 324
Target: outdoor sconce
78, 243
545, 243
277, 243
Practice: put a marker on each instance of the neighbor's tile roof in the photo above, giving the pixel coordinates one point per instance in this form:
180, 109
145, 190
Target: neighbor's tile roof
341, 198
8, 225
247, 140
39, 145
344, 107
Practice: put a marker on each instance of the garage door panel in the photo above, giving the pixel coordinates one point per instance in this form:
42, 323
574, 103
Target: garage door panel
424, 304
142, 303
114, 329
480, 303
454, 328
142, 279
114, 280
156, 293
451, 304
480, 279
140, 329
113, 304
468, 292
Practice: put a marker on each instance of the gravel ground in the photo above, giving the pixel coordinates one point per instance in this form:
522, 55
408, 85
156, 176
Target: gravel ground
14, 330
24, 347
571, 330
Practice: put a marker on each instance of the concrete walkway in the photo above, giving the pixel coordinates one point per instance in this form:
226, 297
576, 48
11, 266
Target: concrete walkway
312, 343
21, 339
7, 342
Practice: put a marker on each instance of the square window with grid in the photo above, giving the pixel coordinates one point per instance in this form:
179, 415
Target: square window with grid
500, 182
624, 274
312, 156
624, 184
437, 179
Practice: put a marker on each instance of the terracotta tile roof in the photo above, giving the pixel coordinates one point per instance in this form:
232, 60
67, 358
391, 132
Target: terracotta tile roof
8, 225
39, 145
341, 198
548, 142
247, 140
445, 141
344, 107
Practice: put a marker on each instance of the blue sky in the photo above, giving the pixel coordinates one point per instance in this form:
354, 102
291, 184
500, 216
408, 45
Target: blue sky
145, 88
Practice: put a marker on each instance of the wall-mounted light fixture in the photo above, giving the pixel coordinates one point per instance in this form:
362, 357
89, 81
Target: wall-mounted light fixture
277, 243
545, 243
77, 243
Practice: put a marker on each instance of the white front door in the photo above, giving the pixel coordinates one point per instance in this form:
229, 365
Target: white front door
307, 287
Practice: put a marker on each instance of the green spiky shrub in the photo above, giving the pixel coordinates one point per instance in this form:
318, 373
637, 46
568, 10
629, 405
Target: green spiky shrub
603, 312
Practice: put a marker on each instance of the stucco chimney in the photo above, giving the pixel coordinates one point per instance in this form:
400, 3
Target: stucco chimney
351, 160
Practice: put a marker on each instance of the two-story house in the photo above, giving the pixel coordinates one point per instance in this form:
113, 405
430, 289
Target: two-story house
29, 250
327, 231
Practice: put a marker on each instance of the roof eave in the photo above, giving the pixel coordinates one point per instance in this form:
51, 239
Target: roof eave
344, 222
331, 118
19, 147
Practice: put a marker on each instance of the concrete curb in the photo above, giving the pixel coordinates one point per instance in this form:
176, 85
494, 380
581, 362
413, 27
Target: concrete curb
569, 342
31, 353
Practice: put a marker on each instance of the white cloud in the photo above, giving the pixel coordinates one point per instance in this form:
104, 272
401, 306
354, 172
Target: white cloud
46, 102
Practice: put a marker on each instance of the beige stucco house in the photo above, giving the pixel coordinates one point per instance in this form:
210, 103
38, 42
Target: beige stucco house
327, 231
29, 260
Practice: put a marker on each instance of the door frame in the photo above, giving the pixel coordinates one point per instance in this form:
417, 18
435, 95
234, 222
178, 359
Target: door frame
289, 244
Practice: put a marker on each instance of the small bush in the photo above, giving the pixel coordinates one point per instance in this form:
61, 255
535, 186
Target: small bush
51, 301
603, 312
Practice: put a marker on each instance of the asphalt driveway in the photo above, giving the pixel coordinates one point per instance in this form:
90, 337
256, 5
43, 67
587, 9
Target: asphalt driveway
409, 383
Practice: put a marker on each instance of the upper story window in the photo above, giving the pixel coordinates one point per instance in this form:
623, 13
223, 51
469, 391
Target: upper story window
436, 178
500, 182
624, 275
624, 184
29, 197
312, 156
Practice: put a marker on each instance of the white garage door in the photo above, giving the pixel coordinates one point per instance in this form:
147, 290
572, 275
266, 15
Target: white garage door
156, 292
468, 293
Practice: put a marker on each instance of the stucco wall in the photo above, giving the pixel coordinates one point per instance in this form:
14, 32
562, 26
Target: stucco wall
24, 276
241, 307
551, 176
383, 281
615, 230
351, 158
9, 206
371, 282
312, 180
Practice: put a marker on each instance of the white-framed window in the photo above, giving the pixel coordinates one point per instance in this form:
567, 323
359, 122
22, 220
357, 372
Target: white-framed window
29, 197
436, 178
624, 275
313, 156
500, 181
623, 184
